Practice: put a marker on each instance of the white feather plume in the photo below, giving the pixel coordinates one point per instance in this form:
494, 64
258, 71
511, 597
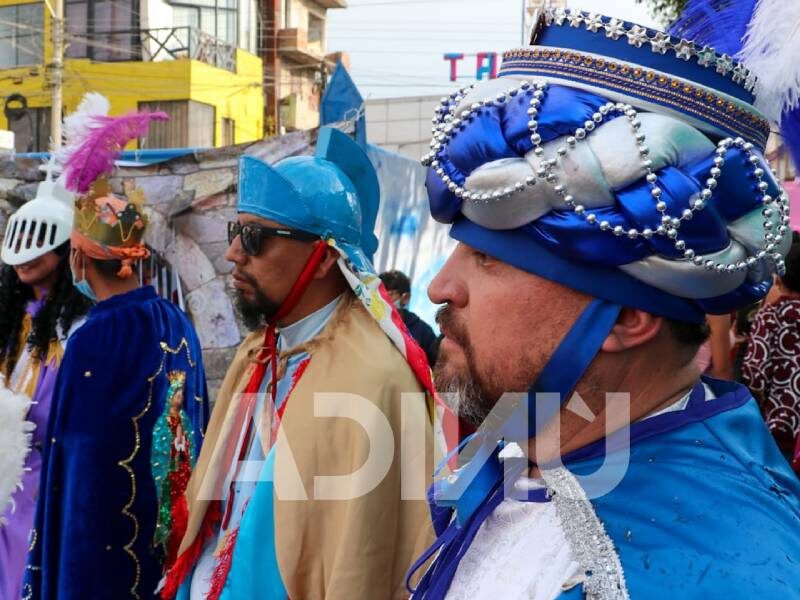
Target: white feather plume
771, 51
77, 126
15, 442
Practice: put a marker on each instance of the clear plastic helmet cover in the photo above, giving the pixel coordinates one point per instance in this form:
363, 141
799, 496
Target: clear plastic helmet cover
39, 226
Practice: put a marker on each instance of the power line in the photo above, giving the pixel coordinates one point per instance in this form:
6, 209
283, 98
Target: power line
405, 2
402, 85
415, 40
393, 26
160, 89
436, 52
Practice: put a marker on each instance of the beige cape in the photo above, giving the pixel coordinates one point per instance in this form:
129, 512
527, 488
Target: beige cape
332, 549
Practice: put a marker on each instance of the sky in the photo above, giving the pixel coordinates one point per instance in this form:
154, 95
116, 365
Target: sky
397, 46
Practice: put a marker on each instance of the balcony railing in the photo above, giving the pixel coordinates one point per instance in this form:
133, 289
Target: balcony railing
187, 42
168, 43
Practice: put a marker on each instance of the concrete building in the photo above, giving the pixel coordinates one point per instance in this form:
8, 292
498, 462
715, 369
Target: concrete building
401, 125
296, 61
193, 59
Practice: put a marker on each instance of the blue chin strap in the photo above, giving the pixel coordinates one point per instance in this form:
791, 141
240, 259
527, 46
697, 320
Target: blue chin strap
478, 486
560, 375
571, 359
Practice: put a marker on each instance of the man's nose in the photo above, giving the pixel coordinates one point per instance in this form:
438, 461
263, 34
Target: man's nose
235, 253
447, 287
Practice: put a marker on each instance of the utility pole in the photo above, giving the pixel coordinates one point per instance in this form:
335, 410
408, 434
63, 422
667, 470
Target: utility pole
524, 42
270, 25
529, 10
57, 71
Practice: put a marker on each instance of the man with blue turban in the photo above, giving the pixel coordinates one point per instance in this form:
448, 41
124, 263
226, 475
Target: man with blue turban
264, 520
607, 191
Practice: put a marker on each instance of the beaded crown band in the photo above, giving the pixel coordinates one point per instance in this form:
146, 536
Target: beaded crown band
644, 66
658, 42
703, 104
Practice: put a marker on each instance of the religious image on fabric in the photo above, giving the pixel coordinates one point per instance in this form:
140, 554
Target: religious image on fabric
135, 454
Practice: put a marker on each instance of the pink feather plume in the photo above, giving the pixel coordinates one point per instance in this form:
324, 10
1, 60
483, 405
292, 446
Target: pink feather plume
105, 140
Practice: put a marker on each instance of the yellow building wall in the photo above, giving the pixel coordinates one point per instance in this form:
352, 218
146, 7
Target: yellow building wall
238, 96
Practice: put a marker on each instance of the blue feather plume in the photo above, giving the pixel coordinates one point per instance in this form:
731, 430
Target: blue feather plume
721, 24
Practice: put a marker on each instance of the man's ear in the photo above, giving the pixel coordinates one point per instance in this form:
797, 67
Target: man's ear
329, 262
633, 328
76, 258
89, 266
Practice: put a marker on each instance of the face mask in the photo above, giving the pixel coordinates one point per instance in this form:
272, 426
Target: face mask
83, 286
399, 304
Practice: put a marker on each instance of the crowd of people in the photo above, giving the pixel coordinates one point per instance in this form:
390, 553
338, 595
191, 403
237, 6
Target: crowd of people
556, 440
771, 363
759, 346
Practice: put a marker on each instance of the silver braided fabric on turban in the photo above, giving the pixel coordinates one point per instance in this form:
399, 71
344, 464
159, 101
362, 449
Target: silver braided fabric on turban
606, 185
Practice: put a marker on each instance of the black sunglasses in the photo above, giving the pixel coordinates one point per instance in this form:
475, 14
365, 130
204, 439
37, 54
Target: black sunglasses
252, 235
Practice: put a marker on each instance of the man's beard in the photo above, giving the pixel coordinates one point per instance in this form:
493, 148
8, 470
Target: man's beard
254, 313
464, 392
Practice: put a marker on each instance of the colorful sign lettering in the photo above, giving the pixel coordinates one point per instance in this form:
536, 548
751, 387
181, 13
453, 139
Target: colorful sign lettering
486, 64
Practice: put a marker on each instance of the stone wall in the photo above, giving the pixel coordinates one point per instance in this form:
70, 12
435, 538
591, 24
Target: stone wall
189, 202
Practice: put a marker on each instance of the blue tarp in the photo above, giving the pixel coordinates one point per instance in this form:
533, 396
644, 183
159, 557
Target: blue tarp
343, 102
408, 238
132, 157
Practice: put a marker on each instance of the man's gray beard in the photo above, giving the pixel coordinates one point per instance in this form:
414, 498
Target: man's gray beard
464, 397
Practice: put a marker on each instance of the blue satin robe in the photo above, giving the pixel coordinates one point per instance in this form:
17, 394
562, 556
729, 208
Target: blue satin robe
96, 513
707, 508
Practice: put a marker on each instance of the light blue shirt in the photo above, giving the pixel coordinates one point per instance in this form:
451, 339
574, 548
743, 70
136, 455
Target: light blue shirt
289, 337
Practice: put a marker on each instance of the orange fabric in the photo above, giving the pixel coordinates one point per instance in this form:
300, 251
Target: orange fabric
98, 251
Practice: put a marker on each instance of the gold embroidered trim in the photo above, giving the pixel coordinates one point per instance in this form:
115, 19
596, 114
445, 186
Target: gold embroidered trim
110, 229
125, 464
599, 71
659, 42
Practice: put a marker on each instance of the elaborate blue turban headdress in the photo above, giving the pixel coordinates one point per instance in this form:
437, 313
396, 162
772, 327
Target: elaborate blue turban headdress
619, 161
624, 163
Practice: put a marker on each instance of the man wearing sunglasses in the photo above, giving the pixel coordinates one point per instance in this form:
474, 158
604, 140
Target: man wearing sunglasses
260, 525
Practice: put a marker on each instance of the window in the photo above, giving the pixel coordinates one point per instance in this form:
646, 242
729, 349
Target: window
218, 18
21, 35
316, 29
32, 130
286, 14
103, 30
248, 25
190, 124
228, 129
